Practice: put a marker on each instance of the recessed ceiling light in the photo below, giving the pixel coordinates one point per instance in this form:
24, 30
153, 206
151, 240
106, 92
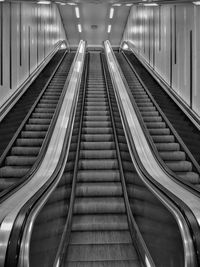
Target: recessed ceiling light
109, 28
77, 12
71, 4
129, 4
2, 0
197, 3
150, 4
79, 28
116, 4
111, 13
44, 2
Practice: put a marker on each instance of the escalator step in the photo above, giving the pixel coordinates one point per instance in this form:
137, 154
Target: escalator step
108, 164
99, 222
168, 146
179, 166
33, 134
15, 172
97, 154
102, 189
97, 137
105, 252
17, 150
191, 177
98, 145
98, 176
173, 155
20, 161
96, 205
163, 138
29, 142
119, 263
100, 237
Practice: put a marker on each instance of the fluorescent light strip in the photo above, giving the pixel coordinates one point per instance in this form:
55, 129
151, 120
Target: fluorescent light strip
71, 4
77, 12
129, 4
44, 2
111, 12
197, 3
79, 28
116, 4
150, 4
109, 28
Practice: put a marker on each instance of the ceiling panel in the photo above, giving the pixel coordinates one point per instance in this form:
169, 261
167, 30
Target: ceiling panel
94, 19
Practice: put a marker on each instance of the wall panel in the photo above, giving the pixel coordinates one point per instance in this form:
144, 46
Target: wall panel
28, 34
167, 37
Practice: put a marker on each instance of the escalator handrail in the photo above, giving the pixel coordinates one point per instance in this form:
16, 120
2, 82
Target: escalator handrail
189, 155
10, 190
12, 100
13, 210
149, 169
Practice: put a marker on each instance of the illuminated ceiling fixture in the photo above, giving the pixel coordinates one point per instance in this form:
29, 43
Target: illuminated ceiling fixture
150, 4
125, 46
116, 4
77, 12
111, 13
71, 4
2, 0
79, 28
109, 28
129, 4
197, 3
60, 3
44, 2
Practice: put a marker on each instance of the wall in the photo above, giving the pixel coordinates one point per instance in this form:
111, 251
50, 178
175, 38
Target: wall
28, 33
167, 37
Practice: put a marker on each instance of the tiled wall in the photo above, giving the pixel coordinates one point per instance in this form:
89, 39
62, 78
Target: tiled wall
28, 34
167, 37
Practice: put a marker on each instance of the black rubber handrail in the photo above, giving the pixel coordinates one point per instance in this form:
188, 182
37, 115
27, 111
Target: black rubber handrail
13, 248
10, 190
134, 230
189, 155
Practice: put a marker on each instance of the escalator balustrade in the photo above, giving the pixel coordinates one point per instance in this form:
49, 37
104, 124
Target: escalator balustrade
25, 150
168, 147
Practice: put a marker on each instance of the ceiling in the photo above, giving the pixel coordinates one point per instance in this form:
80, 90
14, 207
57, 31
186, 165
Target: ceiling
94, 19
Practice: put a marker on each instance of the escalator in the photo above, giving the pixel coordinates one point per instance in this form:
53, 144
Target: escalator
100, 231
101, 213
23, 150
185, 128
165, 140
12, 121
